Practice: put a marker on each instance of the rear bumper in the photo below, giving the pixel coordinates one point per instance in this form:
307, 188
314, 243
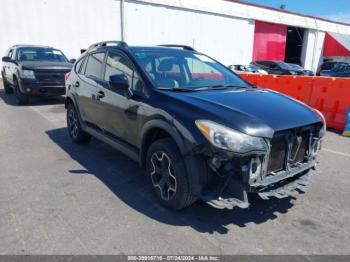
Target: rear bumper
37, 88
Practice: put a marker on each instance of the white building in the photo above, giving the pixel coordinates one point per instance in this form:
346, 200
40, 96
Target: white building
230, 31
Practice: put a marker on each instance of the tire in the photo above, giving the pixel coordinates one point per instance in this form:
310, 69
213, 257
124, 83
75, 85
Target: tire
77, 134
22, 99
7, 87
167, 173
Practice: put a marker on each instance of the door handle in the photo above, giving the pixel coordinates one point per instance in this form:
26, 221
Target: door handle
77, 84
100, 94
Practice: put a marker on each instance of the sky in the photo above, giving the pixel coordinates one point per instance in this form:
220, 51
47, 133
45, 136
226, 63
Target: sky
338, 10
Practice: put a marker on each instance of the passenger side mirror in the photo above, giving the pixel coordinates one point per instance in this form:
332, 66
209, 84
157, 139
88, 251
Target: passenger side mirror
119, 82
7, 59
72, 61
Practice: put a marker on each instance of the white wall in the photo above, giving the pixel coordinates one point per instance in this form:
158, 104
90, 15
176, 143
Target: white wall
228, 39
66, 24
243, 10
312, 50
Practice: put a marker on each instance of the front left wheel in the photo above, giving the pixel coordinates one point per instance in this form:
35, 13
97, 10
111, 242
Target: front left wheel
167, 173
22, 99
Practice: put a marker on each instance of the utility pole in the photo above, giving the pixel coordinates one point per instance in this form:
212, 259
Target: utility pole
122, 20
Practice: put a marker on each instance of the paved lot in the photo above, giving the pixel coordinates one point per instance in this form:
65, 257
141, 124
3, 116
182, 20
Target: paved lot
60, 198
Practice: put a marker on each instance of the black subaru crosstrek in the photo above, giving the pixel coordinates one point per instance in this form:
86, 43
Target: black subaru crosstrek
31, 70
198, 129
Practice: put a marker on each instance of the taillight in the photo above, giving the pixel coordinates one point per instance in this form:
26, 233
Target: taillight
66, 76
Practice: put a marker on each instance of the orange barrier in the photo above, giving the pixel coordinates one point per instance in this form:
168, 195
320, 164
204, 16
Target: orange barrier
329, 95
299, 87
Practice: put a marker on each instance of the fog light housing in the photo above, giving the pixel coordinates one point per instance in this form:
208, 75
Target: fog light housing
255, 168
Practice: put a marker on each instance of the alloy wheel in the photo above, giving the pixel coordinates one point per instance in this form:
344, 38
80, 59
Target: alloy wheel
163, 175
72, 123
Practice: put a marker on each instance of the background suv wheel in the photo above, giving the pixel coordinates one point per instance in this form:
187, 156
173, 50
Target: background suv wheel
7, 87
167, 173
22, 99
74, 128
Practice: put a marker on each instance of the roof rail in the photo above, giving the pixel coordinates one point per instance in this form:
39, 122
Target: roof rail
109, 43
185, 47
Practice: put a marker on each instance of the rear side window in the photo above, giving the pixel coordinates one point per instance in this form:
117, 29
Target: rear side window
94, 65
10, 53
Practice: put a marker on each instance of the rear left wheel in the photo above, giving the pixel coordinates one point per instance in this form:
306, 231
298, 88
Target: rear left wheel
75, 131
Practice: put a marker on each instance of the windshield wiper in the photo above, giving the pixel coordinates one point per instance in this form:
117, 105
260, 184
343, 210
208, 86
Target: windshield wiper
179, 89
219, 87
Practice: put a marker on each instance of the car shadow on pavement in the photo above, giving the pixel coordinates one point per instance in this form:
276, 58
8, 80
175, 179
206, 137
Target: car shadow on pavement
128, 182
10, 99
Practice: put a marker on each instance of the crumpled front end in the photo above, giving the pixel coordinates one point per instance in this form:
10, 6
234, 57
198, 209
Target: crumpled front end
284, 170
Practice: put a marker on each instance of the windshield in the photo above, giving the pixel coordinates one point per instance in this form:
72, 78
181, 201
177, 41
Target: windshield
295, 66
40, 54
186, 70
285, 66
252, 67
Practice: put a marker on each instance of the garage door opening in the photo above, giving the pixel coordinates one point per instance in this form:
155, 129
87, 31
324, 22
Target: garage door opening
294, 45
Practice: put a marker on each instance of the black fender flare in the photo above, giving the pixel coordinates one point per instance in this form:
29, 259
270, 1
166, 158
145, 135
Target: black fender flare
167, 127
195, 165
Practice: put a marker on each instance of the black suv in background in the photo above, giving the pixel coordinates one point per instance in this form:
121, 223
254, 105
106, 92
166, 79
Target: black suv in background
341, 69
327, 66
30, 70
199, 130
278, 68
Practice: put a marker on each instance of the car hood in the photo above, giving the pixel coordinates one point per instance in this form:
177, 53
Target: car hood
45, 65
254, 111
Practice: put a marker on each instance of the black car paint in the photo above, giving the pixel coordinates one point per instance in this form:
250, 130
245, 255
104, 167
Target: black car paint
128, 122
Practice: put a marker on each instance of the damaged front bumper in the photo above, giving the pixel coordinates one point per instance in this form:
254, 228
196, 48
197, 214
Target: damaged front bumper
236, 192
237, 176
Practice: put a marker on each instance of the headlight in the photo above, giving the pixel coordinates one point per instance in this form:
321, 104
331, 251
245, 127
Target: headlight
27, 74
229, 139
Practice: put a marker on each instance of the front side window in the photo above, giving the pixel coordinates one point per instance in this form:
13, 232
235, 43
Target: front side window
183, 69
40, 54
117, 64
94, 65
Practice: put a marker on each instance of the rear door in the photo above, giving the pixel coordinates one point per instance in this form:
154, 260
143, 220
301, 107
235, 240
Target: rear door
85, 85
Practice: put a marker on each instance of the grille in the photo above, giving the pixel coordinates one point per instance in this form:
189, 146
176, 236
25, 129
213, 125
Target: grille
278, 154
299, 148
50, 76
279, 149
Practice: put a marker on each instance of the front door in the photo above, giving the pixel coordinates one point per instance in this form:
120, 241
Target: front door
119, 114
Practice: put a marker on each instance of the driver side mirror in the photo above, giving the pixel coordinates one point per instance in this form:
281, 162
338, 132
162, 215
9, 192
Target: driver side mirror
72, 61
119, 82
7, 59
